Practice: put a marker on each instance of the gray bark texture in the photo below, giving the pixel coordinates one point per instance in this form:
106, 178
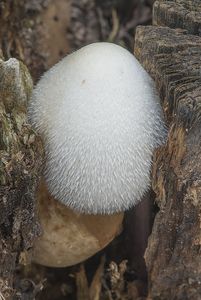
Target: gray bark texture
184, 14
173, 59
20, 163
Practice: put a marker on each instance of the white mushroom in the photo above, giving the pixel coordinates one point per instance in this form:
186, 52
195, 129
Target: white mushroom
99, 115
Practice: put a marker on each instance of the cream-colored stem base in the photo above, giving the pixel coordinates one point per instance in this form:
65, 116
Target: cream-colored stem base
69, 237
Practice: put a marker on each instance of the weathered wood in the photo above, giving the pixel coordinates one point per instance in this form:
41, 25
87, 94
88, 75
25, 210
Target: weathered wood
185, 14
20, 163
173, 255
34, 32
107, 20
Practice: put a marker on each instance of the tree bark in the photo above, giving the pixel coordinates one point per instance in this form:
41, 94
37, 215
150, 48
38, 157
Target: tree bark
184, 14
173, 254
35, 32
20, 165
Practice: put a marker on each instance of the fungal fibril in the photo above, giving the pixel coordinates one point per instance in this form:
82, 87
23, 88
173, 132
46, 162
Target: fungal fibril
99, 115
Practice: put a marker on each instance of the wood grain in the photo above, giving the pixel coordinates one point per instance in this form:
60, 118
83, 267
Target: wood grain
173, 255
184, 14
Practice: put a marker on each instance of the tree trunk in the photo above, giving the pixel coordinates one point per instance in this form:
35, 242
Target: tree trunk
184, 14
172, 57
20, 163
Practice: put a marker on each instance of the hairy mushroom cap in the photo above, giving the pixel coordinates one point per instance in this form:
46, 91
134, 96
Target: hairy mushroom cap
100, 118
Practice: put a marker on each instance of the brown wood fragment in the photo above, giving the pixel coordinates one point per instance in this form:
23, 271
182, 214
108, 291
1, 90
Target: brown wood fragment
82, 284
173, 255
117, 281
96, 285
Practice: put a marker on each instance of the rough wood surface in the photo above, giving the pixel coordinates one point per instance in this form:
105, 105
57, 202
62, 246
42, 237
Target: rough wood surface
20, 163
35, 32
185, 14
173, 255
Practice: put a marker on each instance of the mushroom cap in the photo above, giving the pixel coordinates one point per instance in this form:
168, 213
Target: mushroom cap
68, 237
99, 115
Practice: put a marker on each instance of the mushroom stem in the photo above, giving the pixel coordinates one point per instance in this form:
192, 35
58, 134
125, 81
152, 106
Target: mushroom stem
69, 237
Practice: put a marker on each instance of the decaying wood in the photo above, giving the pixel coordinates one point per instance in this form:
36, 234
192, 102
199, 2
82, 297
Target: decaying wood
173, 255
20, 163
35, 32
106, 20
184, 14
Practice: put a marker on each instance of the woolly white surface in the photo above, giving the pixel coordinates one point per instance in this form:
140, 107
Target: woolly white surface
100, 118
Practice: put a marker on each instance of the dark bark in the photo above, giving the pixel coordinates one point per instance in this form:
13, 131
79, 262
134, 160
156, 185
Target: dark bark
184, 14
137, 228
173, 254
20, 164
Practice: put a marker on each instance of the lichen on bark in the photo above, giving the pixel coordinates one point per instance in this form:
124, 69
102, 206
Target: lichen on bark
21, 154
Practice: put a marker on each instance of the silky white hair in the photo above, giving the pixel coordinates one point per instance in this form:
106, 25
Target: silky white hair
99, 115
